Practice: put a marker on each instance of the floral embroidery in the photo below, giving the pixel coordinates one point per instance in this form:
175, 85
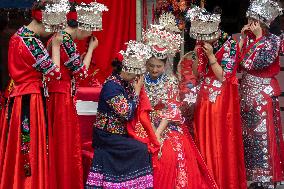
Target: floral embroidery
140, 131
262, 54
164, 98
126, 85
74, 63
121, 106
25, 146
110, 123
178, 147
43, 62
229, 57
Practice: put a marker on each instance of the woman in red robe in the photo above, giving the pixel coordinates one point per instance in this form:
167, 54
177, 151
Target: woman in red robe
65, 143
178, 163
217, 121
23, 140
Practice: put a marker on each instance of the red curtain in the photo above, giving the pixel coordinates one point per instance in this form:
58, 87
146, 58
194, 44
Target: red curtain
119, 26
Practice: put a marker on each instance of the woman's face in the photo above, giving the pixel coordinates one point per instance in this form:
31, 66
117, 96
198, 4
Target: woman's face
82, 34
155, 67
43, 33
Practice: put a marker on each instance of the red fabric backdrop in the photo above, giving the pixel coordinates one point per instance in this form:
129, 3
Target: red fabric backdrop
119, 26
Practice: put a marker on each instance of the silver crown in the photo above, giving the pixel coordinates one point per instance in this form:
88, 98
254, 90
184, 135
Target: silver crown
168, 21
264, 10
204, 25
135, 57
90, 16
163, 39
54, 16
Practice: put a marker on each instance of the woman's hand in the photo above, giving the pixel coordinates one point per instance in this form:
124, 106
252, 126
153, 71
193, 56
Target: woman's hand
256, 29
245, 28
138, 84
208, 49
94, 43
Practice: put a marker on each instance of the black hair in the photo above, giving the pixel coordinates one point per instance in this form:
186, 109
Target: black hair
72, 23
116, 66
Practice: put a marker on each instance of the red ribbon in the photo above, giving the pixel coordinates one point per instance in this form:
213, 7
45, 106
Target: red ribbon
37, 15
72, 16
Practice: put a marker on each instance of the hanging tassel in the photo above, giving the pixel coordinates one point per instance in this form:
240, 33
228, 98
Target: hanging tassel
45, 88
73, 87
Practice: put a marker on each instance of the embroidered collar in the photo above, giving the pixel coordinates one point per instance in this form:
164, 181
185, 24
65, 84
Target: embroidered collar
117, 79
64, 33
25, 32
220, 42
150, 81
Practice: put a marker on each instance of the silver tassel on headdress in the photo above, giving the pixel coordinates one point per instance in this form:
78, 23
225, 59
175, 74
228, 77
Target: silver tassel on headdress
54, 15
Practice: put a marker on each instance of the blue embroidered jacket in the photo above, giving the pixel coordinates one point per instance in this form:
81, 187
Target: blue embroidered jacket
117, 105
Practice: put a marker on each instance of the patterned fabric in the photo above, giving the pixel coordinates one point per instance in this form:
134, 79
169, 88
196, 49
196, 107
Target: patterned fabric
117, 105
74, 63
229, 57
262, 54
226, 56
262, 132
139, 179
163, 95
119, 162
257, 96
43, 62
25, 146
25, 135
110, 123
178, 147
122, 107
164, 98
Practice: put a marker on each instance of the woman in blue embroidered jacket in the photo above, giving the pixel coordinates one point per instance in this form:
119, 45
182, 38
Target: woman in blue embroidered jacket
120, 161
23, 144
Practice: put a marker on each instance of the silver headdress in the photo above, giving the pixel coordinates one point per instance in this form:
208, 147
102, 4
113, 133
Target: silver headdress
90, 16
264, 10
135, 57
163, 38
54, 16
204, 25
168, 21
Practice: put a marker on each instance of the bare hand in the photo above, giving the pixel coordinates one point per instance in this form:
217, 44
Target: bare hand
138, 84
245, 28
208, 49
256, 29
93, 43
